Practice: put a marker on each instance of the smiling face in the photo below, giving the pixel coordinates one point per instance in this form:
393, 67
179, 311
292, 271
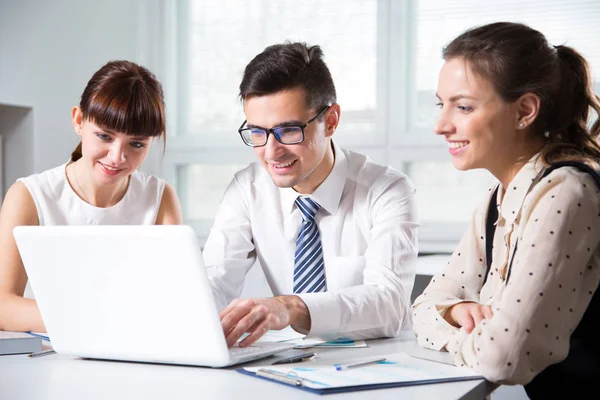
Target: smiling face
303, 166
478, 125
109, 156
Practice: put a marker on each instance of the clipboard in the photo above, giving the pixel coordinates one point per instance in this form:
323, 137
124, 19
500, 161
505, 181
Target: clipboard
398, 369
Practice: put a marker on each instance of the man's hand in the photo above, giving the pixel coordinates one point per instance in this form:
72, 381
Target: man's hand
467, 315
257, 316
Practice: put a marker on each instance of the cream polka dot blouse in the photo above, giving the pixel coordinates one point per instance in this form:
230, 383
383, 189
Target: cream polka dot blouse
554, 273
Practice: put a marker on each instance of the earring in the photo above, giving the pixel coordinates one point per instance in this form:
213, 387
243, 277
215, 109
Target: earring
521, 125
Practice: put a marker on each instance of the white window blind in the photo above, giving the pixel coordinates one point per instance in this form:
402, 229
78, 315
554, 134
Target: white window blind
574, 23
220, 44
213, 48
446, 196
384, 56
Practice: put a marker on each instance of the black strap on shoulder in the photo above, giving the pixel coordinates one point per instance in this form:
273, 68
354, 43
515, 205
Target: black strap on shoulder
492, 214
579, 165
490, 230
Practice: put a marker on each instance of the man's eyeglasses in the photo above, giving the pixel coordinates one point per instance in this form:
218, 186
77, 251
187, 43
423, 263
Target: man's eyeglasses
289, 134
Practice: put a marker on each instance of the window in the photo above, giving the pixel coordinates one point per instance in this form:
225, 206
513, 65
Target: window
437, 22
384, 56
212, 48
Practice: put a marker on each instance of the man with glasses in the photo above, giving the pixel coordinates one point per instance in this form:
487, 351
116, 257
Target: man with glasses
334, 232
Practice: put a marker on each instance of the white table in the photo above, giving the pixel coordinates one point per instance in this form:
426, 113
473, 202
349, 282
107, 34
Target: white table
63, 377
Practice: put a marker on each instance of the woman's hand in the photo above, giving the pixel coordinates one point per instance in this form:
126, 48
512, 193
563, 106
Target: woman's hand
467, 315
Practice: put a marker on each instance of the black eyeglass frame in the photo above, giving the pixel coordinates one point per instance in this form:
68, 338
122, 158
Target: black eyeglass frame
272, 130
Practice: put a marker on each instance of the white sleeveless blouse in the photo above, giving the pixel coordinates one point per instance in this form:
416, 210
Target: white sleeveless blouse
58, 204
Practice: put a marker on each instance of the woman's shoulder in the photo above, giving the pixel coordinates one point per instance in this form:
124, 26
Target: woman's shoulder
569, 183
142, 184
571, 177
47, 181
55, 173
144, 179
19, 205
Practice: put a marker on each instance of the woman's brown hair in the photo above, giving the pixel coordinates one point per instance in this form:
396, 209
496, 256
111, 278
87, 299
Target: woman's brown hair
517, 59
124, 97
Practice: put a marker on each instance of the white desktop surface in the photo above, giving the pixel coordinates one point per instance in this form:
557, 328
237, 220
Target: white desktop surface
64, 377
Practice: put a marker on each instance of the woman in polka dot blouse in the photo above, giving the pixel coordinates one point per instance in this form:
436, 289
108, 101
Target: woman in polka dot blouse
513, 104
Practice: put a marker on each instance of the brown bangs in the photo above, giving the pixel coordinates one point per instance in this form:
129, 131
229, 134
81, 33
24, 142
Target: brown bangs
126, 107
126, 98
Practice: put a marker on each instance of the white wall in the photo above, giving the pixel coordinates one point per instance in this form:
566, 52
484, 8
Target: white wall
48, 52
16, 134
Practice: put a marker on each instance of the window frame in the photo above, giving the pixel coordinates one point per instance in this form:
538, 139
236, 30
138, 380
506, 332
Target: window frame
395, 141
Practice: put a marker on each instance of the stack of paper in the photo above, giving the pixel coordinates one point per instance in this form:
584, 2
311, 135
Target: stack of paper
19, 343
390, 370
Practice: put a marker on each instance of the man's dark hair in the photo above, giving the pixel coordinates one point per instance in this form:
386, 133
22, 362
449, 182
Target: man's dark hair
287, 66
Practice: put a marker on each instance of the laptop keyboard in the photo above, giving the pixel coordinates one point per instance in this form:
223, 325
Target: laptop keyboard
239, 351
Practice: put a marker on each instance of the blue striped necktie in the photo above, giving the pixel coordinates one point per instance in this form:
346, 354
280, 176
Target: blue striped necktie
309, 269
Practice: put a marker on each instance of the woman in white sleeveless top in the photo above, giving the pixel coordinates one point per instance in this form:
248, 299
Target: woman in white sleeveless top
121, 113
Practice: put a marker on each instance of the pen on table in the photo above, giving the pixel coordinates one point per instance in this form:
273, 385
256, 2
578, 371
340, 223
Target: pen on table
42, 353
294, 359
39, 335
341, 367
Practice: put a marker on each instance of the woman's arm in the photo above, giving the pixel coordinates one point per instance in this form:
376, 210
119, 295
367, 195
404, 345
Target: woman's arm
459, 283
554, 276
169, 212
16, 312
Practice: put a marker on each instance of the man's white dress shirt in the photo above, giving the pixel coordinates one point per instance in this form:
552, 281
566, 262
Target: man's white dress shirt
368, 226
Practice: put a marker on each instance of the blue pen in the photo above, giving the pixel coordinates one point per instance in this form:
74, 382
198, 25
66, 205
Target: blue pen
40, 336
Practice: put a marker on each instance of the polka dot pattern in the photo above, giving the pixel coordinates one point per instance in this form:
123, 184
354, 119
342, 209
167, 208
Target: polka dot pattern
554, 273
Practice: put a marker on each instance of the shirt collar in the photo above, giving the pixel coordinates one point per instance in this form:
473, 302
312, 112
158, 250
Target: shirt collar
515, 193
329, 192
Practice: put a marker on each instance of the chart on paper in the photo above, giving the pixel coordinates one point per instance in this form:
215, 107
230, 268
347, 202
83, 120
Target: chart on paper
396, 368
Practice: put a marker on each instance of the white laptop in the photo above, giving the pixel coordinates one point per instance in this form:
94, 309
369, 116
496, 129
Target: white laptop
132, 293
